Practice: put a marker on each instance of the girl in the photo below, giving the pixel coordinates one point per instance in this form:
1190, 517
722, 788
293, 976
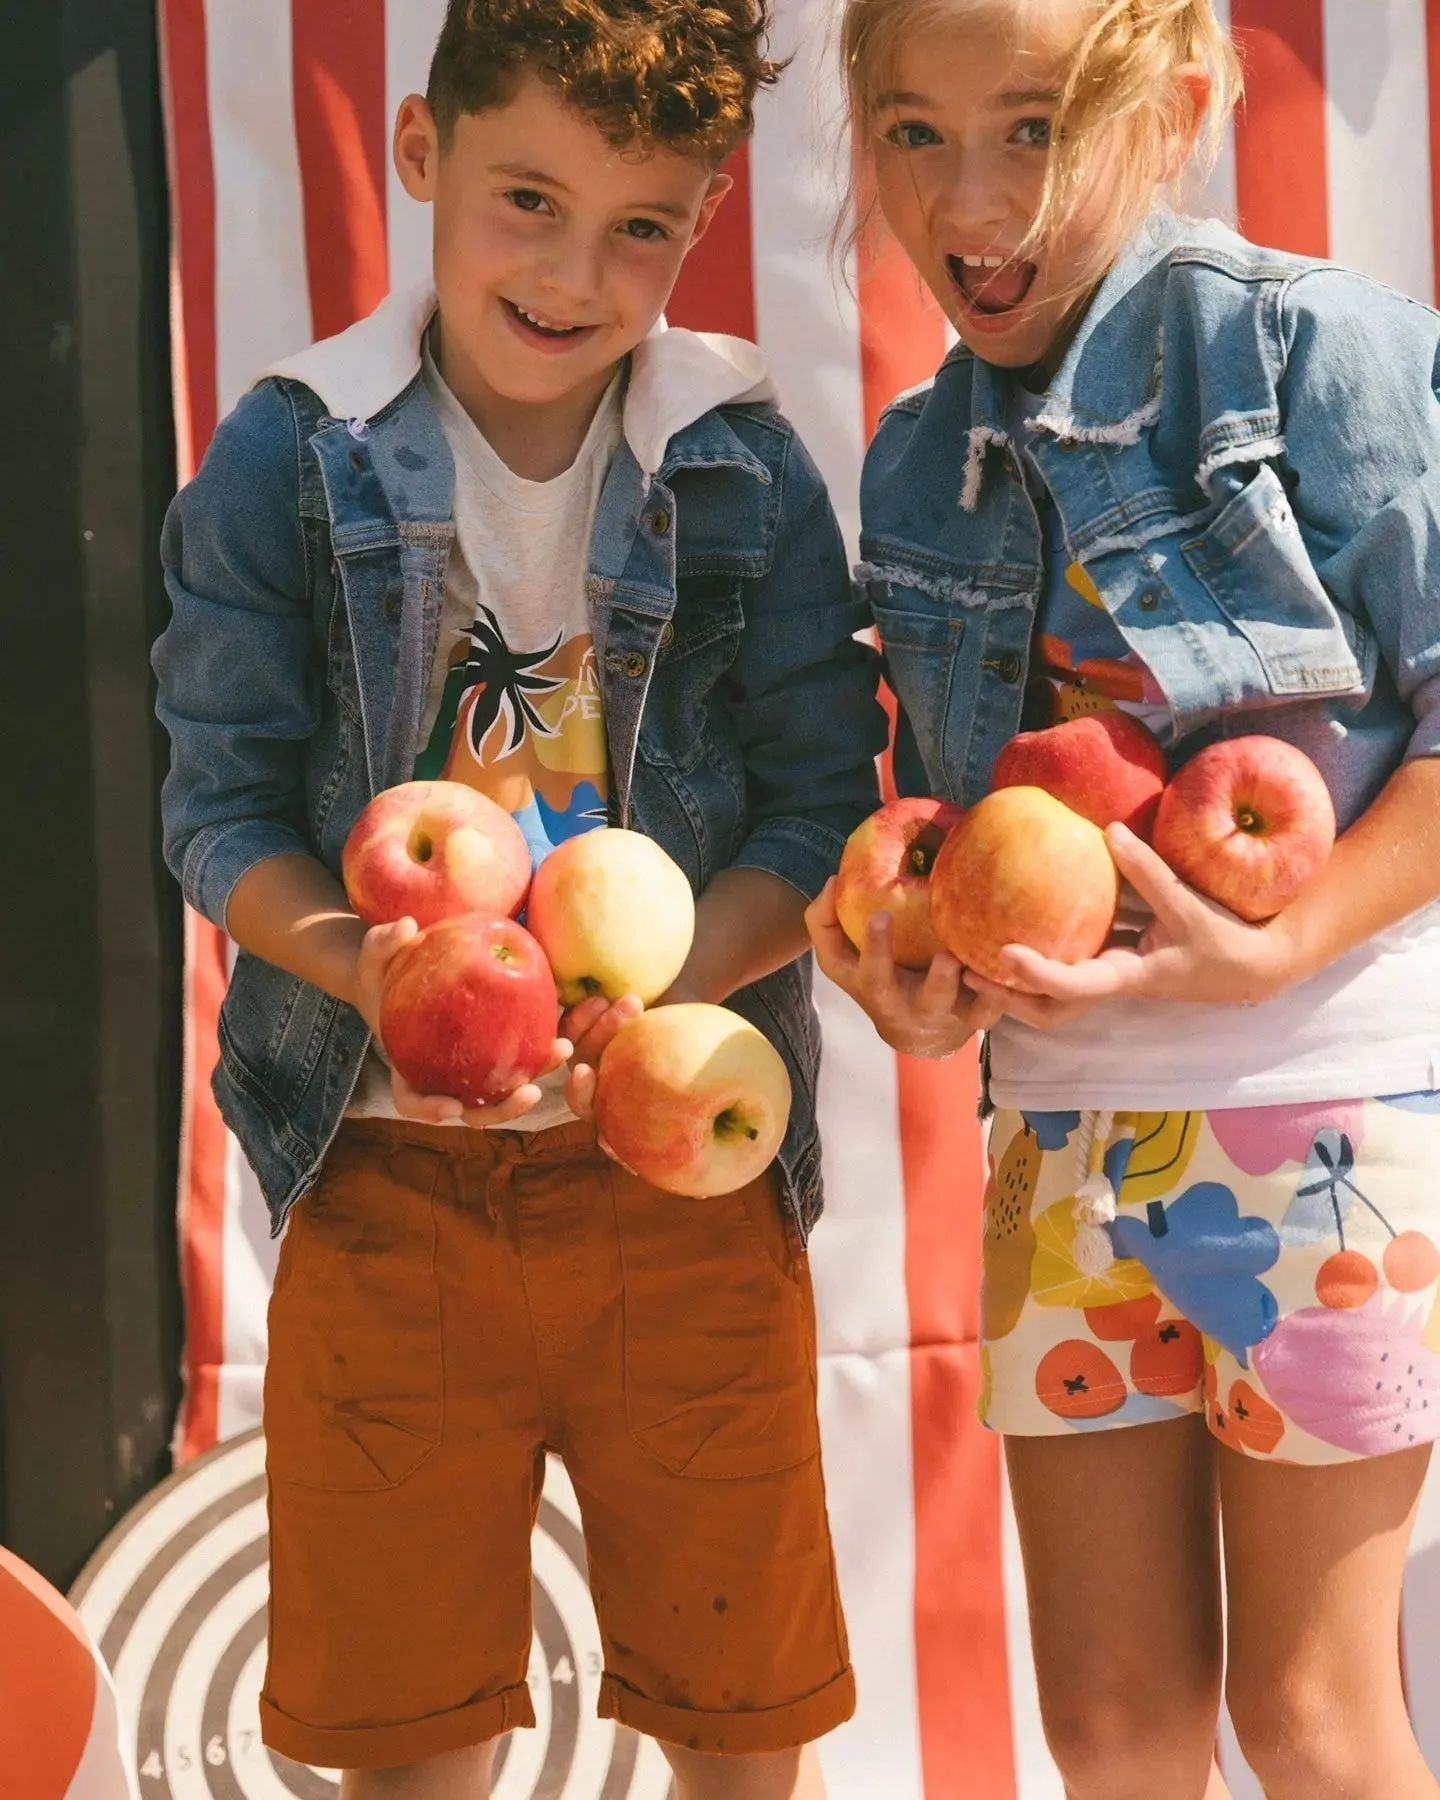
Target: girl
1169, 471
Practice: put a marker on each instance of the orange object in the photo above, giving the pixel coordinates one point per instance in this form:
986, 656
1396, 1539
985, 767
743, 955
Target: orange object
449, 1304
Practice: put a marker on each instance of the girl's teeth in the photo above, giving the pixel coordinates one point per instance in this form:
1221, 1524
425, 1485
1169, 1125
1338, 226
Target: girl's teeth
983, 262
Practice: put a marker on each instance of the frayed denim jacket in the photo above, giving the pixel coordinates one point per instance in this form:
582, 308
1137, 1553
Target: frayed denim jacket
305, 566
1244, 449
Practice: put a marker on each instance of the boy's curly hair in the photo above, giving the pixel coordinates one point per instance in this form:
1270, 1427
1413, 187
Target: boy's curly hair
679, 73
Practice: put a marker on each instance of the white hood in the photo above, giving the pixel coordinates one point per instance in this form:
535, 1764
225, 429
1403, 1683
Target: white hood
676, 376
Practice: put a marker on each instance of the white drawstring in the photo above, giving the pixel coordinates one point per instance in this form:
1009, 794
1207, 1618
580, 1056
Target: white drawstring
1095, 1204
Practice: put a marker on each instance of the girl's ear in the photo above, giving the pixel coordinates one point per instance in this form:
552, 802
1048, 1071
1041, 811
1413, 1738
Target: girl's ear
416, 147
720, 186
1192, 102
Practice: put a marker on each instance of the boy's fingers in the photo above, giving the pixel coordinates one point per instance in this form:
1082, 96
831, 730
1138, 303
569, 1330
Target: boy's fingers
591, 1044
577, 1020
560, 1053
429, 1109
877, 961
580, 1091
513, 1106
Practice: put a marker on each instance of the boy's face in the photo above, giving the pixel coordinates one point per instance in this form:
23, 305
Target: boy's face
964, 131
555, 252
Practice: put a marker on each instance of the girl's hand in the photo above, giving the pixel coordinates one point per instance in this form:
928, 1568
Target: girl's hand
378, 950
591, 1025
1193, 949
930, 1015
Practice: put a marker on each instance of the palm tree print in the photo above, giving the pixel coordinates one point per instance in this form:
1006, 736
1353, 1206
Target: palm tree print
503, 681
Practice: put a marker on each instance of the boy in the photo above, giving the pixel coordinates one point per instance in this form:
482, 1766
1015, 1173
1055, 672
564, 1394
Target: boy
511, 531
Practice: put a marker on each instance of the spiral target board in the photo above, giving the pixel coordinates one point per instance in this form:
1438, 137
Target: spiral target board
175, 1599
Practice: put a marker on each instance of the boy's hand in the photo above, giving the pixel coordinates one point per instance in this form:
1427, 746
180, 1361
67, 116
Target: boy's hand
378, 950
1193, 949
930, 1015
590, 1026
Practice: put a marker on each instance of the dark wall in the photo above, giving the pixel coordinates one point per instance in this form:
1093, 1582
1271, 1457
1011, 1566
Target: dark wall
89, 921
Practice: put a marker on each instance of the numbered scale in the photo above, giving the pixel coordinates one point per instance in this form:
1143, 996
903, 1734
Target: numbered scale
175, 1599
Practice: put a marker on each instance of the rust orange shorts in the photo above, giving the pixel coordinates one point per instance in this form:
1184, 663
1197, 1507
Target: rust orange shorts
449, 1306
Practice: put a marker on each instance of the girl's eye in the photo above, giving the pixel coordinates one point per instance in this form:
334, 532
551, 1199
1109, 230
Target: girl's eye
645, 231
910, 134
527, 199
1033, 134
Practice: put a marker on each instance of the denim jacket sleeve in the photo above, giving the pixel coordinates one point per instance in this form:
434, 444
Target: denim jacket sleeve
238, 691
804, 694
1361, 422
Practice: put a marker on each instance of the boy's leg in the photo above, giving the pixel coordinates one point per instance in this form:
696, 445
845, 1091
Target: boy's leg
1314, 1560
783, 1775
459, 1775
1119, 1537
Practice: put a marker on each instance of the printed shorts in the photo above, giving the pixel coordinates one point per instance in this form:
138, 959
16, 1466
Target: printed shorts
1275, 1268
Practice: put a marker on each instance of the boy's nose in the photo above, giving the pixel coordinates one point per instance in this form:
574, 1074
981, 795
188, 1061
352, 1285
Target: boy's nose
572, 270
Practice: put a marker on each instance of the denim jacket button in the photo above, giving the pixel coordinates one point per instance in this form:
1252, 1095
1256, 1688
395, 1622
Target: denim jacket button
391, 606
660, 521
667, 635
357, 462
634, 664
1008, 668
1148, 601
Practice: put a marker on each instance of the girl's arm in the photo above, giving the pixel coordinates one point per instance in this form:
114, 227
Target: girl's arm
1383, 869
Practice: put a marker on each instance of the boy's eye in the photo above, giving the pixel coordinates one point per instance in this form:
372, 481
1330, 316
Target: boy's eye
1033, 134
910, 134
645, 230
527, 199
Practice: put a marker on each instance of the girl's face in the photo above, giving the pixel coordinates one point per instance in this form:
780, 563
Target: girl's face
961, 138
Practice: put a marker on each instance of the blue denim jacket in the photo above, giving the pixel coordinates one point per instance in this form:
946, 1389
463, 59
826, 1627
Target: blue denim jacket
1244, 448
305, 565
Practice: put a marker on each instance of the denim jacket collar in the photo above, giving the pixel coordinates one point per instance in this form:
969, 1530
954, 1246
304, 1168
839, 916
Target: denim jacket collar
676, 378
1098, 396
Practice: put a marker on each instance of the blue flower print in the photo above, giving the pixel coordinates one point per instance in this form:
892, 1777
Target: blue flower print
1324, 1194
1206, 1260
1052, 1129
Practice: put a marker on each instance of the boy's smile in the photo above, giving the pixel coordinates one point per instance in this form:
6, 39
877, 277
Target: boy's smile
555, 253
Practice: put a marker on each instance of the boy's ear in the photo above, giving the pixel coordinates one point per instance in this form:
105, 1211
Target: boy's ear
416, 147
720, 186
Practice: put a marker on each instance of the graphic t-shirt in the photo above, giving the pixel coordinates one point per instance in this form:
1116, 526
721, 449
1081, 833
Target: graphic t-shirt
513, 707
1079, 662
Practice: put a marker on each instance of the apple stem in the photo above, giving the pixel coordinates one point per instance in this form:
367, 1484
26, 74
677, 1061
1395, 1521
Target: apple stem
728, 1123
1247, 820
421, 847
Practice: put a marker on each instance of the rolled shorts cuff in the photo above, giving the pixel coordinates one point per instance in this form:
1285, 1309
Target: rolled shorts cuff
396, 1746
732, 1733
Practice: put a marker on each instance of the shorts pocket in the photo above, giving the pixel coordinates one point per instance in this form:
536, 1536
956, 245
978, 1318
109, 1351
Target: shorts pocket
719, 1331
354, 1387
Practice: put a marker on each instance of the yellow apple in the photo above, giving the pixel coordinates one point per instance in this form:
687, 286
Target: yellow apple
693, 1098
613, 914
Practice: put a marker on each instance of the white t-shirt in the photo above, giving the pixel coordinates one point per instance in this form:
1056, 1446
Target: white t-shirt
1367, 1026
513, 706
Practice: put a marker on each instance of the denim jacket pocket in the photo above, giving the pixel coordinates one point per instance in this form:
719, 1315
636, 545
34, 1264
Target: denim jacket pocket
1253, 563
697, 647
919, 638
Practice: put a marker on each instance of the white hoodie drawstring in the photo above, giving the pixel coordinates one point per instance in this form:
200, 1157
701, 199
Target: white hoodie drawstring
1095, 1202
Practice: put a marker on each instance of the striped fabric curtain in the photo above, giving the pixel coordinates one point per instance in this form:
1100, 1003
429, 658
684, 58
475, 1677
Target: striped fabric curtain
289, 224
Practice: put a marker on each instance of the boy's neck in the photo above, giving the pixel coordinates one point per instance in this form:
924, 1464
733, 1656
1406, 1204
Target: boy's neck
535, 440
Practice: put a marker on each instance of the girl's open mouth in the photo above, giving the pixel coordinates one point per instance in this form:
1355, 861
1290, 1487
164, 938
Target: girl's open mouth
989, 286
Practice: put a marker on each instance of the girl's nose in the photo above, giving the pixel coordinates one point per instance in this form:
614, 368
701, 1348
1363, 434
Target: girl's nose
974, 202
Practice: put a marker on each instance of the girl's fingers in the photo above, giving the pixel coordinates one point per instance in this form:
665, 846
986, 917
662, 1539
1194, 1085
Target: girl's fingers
513, 1106
561, 1050
580, 1091
592, 1043
1151, 876
577, 1020
940, 992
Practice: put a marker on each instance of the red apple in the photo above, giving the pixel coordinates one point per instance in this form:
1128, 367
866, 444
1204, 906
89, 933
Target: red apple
431, 850
1105, 766
469, 1009
1248, 821
693, 1098
1021, 868
886, 868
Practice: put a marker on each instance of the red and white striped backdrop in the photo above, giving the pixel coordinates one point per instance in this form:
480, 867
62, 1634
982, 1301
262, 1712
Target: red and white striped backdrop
289, 223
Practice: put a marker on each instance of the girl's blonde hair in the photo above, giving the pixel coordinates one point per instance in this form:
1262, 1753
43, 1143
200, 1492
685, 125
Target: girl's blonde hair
1118, 91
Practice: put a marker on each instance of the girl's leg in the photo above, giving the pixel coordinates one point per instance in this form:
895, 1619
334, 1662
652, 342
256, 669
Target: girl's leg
458, 1775
1120, 1541
1314, 1559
